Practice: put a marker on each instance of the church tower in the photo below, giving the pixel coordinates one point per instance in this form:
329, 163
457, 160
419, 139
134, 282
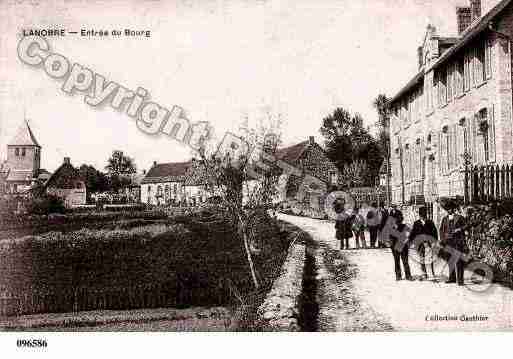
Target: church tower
24, 153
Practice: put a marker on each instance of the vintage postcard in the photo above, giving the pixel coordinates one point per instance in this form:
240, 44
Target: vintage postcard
256, 166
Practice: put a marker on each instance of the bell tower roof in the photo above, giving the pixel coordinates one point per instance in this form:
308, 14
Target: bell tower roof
24, 136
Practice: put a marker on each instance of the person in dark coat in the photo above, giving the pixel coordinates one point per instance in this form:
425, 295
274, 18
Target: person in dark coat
422, 235
400, 247
373, 224
383, 214
452, 235
343, 230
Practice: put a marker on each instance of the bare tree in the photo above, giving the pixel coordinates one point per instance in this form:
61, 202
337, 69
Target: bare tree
245, 181
353, 173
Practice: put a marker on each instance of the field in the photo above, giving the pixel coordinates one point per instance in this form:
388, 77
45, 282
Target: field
129, 263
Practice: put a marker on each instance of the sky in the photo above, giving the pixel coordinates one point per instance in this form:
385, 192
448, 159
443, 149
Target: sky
218, 60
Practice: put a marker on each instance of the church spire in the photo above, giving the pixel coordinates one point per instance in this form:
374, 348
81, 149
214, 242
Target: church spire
24, 136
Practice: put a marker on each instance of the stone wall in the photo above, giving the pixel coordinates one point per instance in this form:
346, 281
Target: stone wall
280, 310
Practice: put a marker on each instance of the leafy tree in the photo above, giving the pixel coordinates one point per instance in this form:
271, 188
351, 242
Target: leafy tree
95, 181
119, 164
348, 141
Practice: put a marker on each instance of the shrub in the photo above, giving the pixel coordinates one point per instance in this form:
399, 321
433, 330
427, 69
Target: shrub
490, 238
45, 204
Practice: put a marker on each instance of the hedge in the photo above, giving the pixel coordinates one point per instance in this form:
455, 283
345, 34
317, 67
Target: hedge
160, 264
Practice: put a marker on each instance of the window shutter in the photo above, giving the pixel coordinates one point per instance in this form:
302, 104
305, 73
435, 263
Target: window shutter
472, 139
440, 152
460, 144
491, 134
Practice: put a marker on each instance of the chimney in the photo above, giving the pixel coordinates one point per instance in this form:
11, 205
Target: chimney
67, 161
463, 18
311, 140
475, 7
420, 56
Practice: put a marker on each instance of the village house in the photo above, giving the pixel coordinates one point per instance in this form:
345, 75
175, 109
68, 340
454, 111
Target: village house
66, 184
457, 108
172, 184
311, 159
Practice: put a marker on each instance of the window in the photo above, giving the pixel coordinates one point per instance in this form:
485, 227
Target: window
444, 149
488, 58
459, 76
442, 87
479, 63
23, 153
467, 71
450, 83
159, 191
149, 189
16, 152
175, 189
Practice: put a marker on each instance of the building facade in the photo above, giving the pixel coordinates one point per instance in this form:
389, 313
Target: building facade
457, 110
172, 184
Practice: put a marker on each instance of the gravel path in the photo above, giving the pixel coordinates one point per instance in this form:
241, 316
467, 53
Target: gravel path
357, 291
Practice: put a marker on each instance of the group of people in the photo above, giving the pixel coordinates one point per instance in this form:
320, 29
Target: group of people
353, 225
389, 226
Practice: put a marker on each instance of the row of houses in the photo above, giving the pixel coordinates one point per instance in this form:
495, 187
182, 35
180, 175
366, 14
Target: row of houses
456, 110
175, 183
183, 182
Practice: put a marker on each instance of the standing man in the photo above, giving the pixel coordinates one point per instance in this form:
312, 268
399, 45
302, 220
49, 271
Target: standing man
399, 246
452, 235
358, 227
373, 223
383, 214
424, 234
340, 224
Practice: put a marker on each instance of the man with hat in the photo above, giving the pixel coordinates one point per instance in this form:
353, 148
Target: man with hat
422, 235
452, 236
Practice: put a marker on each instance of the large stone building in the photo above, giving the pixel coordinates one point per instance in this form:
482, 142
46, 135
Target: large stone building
459, 102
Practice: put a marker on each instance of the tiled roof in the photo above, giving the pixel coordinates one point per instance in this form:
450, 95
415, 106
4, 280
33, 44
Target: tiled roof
65, 177
24, 137
17, 175
470, 33
43, 174
292, 153
167, 172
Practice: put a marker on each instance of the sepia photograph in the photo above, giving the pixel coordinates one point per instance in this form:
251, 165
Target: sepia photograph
255, 166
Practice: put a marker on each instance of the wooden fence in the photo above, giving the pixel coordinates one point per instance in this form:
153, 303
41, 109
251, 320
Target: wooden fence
488, 183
